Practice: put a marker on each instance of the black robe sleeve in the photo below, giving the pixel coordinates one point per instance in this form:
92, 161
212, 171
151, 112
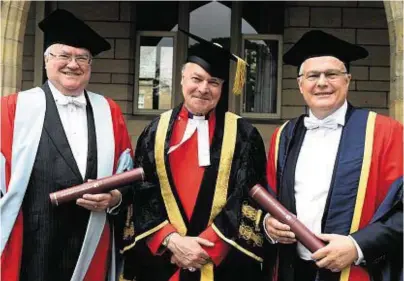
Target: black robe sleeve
241, 219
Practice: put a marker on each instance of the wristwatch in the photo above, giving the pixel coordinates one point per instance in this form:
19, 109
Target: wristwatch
167, 239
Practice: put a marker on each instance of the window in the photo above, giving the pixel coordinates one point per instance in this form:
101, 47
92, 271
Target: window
263, 79
154, 71
251, 30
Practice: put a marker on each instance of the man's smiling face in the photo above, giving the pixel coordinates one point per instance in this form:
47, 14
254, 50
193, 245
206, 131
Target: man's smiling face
68, 76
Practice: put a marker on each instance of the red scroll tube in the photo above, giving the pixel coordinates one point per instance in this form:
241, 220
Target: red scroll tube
96, 186
272, 206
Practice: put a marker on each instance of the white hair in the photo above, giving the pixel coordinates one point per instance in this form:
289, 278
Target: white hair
183, 67
48, 50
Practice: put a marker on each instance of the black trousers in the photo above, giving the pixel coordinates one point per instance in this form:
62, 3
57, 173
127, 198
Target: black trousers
305, 270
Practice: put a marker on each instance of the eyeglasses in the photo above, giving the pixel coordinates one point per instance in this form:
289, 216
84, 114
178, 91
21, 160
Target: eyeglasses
330, 75
82, 60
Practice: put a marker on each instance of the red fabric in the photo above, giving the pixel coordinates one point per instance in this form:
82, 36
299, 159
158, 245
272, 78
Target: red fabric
271, 168
218, 252
386, 167
11, 256
183, 163
98, 268
155, 240
271, 178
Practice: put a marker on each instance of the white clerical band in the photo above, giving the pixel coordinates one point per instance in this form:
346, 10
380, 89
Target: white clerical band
202, 126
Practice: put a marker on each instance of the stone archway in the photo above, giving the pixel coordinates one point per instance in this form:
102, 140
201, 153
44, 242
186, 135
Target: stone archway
394, 15
14, 16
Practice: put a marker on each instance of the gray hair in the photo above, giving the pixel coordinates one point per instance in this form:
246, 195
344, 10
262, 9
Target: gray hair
48, 50
183, 67
302, 67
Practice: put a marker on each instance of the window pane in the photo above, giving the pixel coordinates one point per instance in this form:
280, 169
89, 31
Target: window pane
262, 76
155, 72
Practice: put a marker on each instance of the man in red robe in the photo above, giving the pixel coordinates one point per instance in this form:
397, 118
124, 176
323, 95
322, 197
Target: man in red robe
54, 137
192, 218
340, 170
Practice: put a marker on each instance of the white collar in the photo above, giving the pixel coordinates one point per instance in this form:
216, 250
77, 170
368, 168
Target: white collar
338, 115
61, 98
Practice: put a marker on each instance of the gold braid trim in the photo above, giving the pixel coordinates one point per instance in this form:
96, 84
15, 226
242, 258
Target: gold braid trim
235, 245
247, 233
257, 220
170, 203
222, 181
252, 214
121, 278
129, 229
143, 235
226, 160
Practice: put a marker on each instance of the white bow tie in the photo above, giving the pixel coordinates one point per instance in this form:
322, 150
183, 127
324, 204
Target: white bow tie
311, 123
79, 101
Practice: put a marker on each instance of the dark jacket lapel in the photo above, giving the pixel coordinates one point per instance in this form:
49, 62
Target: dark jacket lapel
295, 133
54, 128
92, 159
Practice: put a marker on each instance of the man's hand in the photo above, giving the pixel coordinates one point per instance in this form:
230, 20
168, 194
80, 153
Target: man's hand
338, 254
187, 251
100, 202
279, 232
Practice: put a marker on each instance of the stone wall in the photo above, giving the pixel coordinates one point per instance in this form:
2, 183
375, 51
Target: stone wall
362, 23
359, 22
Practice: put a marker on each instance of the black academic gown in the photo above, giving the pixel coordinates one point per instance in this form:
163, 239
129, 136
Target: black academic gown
149, 211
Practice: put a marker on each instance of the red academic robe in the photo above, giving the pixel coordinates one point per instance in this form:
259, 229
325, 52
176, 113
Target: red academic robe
11, 256
369, 163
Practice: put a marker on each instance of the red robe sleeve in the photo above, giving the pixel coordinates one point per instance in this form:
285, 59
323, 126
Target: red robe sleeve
271, 165
219, 251
155, 240
11, 256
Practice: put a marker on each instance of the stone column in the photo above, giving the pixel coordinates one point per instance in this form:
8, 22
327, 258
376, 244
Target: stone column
394, 15
14, 16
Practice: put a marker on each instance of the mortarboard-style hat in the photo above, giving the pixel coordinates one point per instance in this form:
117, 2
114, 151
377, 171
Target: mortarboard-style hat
215, 60
63, 27
317, 43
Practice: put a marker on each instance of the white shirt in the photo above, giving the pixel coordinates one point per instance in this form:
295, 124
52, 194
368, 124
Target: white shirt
314, 169
74, 121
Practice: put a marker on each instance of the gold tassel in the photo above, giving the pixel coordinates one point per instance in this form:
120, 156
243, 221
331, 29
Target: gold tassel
239, 80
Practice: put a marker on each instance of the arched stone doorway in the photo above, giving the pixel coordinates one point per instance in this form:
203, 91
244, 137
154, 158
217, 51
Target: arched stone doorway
14, 18
394, 15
